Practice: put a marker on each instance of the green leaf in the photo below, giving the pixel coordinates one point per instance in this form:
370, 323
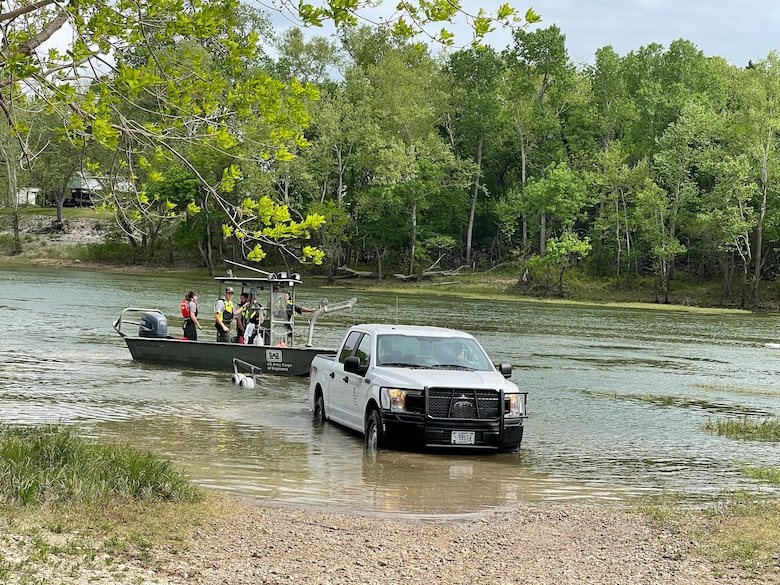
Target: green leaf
532, 17
505, 11
257, 254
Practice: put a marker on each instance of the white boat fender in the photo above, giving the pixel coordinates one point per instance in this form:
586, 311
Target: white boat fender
237, 379
247, 382
772, 345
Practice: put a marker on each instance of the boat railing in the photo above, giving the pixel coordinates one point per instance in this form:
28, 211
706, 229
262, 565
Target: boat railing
124, 321
324, 308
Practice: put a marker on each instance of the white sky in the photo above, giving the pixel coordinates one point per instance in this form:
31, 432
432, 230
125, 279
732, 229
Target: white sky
737, 30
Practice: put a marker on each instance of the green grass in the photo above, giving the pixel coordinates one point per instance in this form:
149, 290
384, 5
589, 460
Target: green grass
741, 536
52, 465
67, 212
765, 474
72, 510
744, 534
745, 428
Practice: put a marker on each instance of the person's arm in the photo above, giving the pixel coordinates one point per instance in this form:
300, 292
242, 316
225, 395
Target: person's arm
194, 319
218, 317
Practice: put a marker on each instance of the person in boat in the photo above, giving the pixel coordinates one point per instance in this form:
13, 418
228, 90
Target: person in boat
241, 318
289, 308
189, 310
292, 307
253, 315
224, 311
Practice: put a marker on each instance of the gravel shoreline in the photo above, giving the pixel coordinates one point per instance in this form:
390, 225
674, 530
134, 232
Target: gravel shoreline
557, 544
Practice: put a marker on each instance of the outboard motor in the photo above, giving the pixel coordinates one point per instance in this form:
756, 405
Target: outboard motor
153, 325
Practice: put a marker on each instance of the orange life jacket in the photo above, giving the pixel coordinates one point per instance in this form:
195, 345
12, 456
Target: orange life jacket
185, 309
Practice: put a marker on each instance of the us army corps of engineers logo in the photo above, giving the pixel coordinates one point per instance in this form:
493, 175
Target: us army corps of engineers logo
273, 355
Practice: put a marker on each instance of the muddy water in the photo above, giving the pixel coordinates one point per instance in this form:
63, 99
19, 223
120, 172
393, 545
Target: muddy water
618, 398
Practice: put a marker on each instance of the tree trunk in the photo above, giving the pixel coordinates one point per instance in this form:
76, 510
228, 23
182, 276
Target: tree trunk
17, 235
474, 196
413, 237
758, 258
13, 198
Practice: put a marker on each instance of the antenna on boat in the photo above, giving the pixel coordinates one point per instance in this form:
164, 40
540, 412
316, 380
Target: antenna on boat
252, 268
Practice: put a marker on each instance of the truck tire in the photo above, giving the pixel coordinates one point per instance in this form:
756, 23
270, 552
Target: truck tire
319, 408
375, 435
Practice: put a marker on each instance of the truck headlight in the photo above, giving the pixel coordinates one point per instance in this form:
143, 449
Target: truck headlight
515, 405
397, 399
401, 400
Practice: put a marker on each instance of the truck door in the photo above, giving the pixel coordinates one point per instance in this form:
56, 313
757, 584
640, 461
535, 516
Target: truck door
338, 397
357, 389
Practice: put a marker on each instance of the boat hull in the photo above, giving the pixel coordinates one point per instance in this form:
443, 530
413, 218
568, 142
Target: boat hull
210, 355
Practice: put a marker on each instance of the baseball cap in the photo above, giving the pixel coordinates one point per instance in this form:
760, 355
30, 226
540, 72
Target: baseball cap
228, 289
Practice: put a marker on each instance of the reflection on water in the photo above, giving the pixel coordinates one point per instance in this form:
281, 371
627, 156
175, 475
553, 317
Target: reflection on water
618, 399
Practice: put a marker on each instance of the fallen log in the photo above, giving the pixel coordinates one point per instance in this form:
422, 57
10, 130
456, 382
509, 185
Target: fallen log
349, 272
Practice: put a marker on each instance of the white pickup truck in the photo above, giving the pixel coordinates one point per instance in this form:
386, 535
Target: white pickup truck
419, 386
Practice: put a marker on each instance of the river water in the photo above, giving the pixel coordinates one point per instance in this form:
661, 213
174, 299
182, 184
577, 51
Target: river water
617, 399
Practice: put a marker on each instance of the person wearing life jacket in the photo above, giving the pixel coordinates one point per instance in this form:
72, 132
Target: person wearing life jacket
224, 311
241, 320
189, 310
287, 308
252, 316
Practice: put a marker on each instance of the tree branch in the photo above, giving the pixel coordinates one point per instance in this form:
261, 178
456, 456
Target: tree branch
52, 27
25, 10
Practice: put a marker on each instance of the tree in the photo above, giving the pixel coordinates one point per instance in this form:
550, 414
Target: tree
682, 149
728, 217
653, 209
611, 103
476, 74
52, 158
405, 94
562, 253
559, 196
613, 185
760, 119
9, 155
541, 81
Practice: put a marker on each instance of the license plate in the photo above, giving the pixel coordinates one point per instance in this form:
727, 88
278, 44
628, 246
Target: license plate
462, 438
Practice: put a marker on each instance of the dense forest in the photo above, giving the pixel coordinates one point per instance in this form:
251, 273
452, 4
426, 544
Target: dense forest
400, 157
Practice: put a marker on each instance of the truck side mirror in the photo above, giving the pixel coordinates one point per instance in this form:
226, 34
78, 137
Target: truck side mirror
505, 369
352, 365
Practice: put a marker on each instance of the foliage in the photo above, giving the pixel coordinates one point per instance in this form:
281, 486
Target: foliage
411, 17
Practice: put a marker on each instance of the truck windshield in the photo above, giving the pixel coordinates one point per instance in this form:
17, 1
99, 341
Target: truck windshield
460, 353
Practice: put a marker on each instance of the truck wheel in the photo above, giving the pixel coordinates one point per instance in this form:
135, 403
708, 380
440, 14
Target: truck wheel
375, 436
319, 409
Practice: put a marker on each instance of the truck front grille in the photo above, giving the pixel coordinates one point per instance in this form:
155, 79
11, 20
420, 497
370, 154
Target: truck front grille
463, 404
